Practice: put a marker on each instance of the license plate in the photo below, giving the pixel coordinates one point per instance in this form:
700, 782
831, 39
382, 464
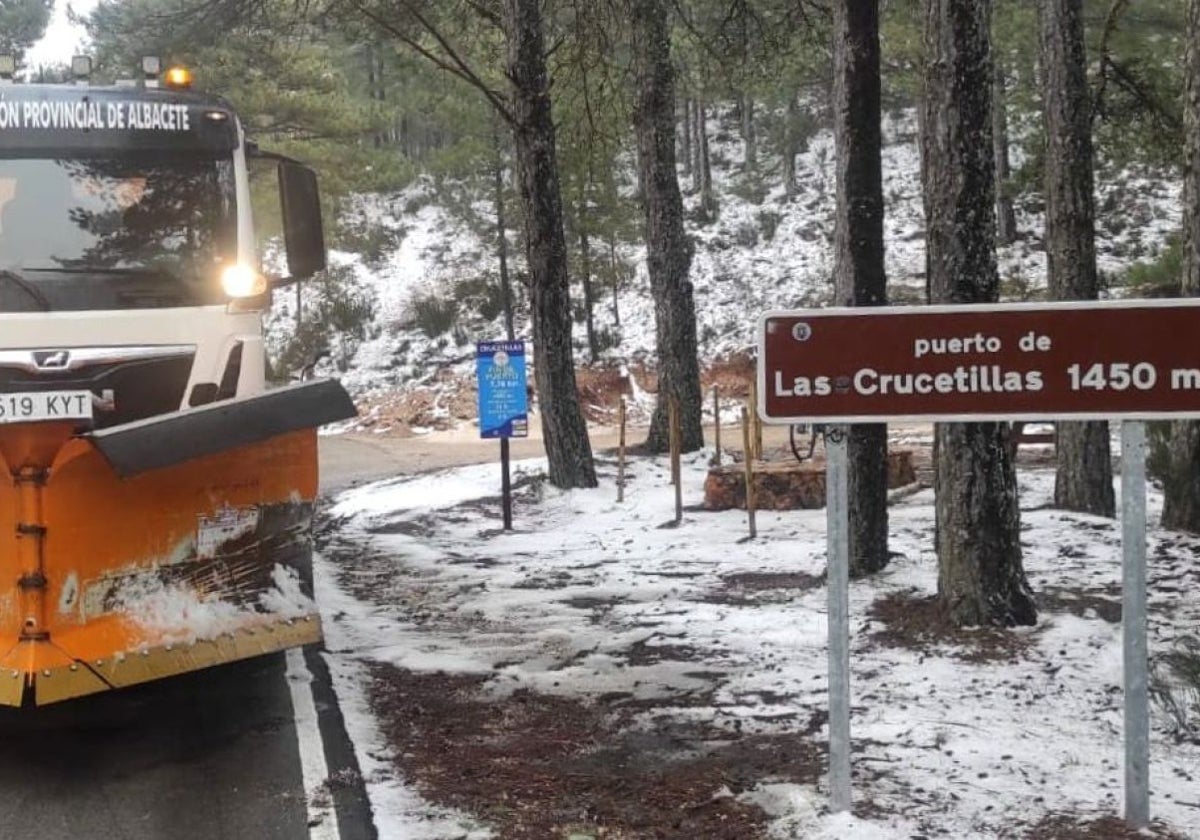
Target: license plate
35, 406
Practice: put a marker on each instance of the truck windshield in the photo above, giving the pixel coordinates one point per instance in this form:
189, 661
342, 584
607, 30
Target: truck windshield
115, 232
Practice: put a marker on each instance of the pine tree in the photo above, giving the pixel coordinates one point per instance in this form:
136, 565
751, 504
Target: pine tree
22, 23
981, 580
858, 243
1083, 480
567, 446
1181, 503
669, 249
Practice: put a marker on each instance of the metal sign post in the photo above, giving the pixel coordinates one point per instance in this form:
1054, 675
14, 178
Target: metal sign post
1079, 360
503, 404
1133, 623
837, 518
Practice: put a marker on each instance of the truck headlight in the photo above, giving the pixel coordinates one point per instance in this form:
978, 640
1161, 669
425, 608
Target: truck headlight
242, 281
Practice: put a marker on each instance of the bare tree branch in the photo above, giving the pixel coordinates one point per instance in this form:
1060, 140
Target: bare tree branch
1129, 82
1115, 11
487, 14
452, 62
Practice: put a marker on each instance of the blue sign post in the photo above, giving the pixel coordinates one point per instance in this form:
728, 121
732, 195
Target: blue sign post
503, 400
503, 403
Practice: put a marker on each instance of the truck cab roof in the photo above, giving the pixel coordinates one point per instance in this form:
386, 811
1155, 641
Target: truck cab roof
39, 117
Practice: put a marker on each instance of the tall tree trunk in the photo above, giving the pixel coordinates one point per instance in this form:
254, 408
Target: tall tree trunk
981, 579
923, 169
585, 268
858, 251
616, 278
1083, 480
1181, 503
506, 296
685, 137
1006, 217
373, 82
791, 146
697, 133
669, 251
568, 449
749, 136
381, 137
708, 200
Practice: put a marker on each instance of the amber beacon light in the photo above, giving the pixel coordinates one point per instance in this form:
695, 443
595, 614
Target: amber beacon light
179, 78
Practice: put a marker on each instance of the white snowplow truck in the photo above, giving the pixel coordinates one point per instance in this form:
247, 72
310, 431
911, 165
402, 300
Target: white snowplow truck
155, 495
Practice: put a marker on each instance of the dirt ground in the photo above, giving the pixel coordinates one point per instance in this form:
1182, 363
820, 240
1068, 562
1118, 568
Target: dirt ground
449, 400
540, 767
537, 767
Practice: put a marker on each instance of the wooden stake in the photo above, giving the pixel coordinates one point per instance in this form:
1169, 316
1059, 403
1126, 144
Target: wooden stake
747, 463
751, 400
717, 422
621, 452
755, 449
757, 421
758, 446
676, 437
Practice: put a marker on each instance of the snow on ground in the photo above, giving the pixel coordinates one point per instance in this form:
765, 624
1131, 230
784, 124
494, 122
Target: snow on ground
171, 612
943, 746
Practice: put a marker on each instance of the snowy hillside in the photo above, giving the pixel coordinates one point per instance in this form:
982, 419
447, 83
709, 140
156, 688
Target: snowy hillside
757, 255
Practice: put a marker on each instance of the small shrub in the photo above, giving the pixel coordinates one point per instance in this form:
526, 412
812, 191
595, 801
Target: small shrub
768, 223
416, 202
904, 295
337, 314
746, 235
1175, 688
1017, 286
481, 294
433, 315
701, 215
307, 343
608, 338
750, 188
373, 242
1159, 277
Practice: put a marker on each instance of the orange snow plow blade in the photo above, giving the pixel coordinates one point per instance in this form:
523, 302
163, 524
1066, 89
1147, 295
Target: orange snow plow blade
108, 581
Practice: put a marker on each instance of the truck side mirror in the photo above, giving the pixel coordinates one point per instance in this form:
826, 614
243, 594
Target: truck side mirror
303, 233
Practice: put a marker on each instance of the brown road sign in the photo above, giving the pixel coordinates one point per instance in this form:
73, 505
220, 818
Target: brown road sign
1081, 360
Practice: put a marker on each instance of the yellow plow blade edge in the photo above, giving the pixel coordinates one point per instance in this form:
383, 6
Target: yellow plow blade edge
106, 582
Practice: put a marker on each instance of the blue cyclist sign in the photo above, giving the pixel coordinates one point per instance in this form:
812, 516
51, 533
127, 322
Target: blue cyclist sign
503, 400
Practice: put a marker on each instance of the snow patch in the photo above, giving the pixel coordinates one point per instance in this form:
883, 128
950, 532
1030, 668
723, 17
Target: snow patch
176, 613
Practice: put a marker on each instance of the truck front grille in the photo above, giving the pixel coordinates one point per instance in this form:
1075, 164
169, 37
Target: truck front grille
141, 381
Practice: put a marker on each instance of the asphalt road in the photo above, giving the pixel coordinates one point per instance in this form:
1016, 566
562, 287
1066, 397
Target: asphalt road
352, 459
205, 755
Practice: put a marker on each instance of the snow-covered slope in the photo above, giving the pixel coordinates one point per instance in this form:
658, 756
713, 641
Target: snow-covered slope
757, 255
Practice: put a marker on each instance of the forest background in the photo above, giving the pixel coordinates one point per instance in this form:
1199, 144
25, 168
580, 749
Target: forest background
329, 85
561, 132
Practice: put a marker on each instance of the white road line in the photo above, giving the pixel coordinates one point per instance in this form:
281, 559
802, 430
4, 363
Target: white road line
322, 817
